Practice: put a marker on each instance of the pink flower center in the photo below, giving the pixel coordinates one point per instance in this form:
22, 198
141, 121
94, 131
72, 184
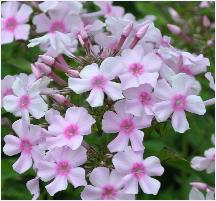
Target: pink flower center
8, 92
179, 102
57, 26
127, 126
25, 146
24, 102
138, 170
108, 192
63, 168
186, 70
11, 24
136, 69
145, 98
99, 82
71, 131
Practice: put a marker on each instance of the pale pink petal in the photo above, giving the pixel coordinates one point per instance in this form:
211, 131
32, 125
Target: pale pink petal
148, 78
195, 194
110, 122
114, 90
77, 177
182, 83
42, 23
75, 142
6, 37
22, 32
132, 93
120, 108
25, 115
23, 163
78, 157
149, 185
19, 86
52, 142
38, 108
9, 8
200, 163
91, 193
11, 145
111, 67
23, 14
58, 126
96, 98
89, 71
144, 121
115, 179
151, 62
131, 185
46, 170
21, 128
50, 116
99, 172
153, 166
128, 81
163, 90
195, 105
136, 139
10, 103
134, 107
79, 85
119, 143
162, 110
124, 196
58, 184
210, 195
33, 186
179, 121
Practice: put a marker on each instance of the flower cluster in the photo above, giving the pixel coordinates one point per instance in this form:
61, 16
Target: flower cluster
130, 75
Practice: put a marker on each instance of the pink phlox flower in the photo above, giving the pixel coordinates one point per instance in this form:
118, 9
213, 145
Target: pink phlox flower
207, 162
63, 168
109, 187
139, 100
127, 126
69, 130
175, 100
138, 68
107, 9
26, 98
136, 170
14, 21
26, 142
98, 81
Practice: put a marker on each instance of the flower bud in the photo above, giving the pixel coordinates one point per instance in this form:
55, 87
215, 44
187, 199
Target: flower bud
206, 21
142, 31
47, 59
174, 29
37, 73
43, 67
126, 31
174, 14
199, 185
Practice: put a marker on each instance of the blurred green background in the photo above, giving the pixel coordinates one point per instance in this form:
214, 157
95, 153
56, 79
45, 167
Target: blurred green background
175, 150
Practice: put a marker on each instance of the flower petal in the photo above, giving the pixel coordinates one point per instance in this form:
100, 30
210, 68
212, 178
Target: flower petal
41, 27
163, 90
23, 163
179, 121
58, 184
77, 177
91, 193
23, 14
195, 194
114, 90
46, 170
12, 145
79, 85
148, 78
110, 122
99, 172
10, 103
22, 32
38, 108
89, 71
153, 166
136, 140
96, 98
151, 62
149, 185
119, 143
6, 37
195, 105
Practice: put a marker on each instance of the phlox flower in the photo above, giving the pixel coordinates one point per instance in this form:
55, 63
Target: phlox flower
98, 81
127, 127
107, 9
106, 185
210, 78
207, 162
26, 98
175, 100
136, 170
139, 68
139, 100
6, 86
196, 194
63, 166
68, 131
14, 19
26, 142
